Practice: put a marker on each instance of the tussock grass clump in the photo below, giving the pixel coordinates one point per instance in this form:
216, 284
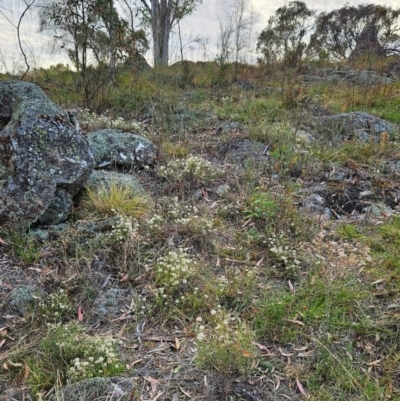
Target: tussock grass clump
115, 198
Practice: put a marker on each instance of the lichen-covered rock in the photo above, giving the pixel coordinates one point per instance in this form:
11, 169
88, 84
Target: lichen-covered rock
58, 210
112, 302
114, 147
16, 394
104, 179
347, 74
97, 388
41, 151
21, 300
246, 151
356, 125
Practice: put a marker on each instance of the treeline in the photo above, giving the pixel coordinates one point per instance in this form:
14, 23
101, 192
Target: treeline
295, 32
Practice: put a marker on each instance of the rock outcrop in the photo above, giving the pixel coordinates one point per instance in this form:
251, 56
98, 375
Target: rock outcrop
43, 157
113, 147
355, 125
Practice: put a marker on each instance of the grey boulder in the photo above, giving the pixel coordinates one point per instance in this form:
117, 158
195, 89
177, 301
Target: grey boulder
355, 125
114, 147
40, 151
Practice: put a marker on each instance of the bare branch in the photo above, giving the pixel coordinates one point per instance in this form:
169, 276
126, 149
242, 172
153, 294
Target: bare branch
28, 6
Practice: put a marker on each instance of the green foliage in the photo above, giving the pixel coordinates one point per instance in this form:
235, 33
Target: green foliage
261, 206
251, 110
339, 30
24, 246
67, 353
225, 344
283, 39
385, 244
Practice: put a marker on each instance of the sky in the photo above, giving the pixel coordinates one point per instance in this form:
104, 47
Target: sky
204, 23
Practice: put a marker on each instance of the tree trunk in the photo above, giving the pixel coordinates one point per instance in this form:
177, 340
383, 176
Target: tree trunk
111, 37
161, 11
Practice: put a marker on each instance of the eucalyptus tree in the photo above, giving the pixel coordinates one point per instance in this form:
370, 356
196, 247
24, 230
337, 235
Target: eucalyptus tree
284, 38
338, 31
91, 29
73, 25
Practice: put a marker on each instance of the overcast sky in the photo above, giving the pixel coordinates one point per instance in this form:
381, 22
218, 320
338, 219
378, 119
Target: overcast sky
204, 22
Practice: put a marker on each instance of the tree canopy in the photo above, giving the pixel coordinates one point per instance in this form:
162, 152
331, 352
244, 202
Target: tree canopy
338, 31
284, 38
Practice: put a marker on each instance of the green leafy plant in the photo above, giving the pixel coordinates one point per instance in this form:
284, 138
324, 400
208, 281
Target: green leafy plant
261, 206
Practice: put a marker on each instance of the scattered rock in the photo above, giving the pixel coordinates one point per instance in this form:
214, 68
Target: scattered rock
346, 74
21, 300
113, 147
97, 388
95, 227
245, 151
243, 84
303, 136
41, 151
112, 302
308, 78
355, 125
393, 70
379, 210
16, 394
314, 205
52, 232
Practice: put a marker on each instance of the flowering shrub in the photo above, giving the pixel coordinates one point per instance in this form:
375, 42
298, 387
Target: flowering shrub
125, 228
92, 122
56, 307
172, 274
284, 251
174, 269
184, 216
225, 344
83, 356
193, 169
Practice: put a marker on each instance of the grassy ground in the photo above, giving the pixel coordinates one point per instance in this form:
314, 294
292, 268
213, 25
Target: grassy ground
234, 293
